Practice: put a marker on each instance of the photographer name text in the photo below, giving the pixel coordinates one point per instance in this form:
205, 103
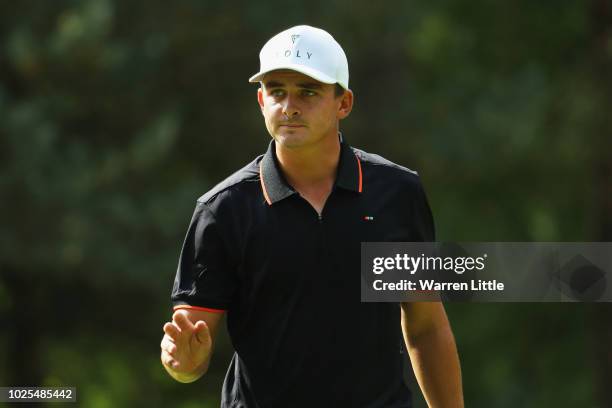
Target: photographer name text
432, 285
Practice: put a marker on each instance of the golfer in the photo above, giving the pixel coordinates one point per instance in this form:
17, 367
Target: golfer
276, 248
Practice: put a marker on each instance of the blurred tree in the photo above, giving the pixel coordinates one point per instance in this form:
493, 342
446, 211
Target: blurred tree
115, 116
599, 59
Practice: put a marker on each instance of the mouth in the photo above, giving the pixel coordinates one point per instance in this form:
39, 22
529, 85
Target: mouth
291, 125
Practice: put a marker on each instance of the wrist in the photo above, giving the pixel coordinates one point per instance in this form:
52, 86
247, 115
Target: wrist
188, 377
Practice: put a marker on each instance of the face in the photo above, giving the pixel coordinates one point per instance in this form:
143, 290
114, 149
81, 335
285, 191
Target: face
300, 111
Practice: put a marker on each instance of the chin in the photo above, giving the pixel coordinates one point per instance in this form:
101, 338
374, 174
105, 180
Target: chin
291, 139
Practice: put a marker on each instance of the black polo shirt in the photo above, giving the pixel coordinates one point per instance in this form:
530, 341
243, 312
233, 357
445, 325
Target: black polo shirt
289, 281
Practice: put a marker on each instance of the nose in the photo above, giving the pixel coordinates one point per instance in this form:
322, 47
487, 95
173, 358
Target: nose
290, 109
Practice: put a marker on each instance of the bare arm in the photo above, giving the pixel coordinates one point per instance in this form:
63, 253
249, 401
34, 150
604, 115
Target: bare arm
187, 345
433, 353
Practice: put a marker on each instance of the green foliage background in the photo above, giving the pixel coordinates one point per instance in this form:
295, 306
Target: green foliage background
116, 115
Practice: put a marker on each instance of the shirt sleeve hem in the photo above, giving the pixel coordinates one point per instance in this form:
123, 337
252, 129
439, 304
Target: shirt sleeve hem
204, 309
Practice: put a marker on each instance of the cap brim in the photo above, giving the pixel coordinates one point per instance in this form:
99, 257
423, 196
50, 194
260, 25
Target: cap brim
313, 73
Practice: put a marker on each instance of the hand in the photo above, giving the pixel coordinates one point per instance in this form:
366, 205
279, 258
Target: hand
186, 348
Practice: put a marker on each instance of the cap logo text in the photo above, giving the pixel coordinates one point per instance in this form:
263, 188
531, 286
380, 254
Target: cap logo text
294, 37
297, 54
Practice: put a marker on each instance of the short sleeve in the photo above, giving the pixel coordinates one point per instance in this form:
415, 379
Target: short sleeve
205, 277
422, 217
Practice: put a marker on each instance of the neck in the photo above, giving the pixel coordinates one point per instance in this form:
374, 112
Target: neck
310, 165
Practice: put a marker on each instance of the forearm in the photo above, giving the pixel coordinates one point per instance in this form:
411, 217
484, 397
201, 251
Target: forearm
435, 361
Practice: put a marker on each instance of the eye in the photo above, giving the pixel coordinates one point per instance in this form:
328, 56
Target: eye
277, 93
308, 92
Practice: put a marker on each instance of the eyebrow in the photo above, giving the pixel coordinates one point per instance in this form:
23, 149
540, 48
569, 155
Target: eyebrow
310, 85
305, 85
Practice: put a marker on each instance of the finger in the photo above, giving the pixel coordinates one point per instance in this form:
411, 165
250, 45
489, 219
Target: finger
168, 361
182, 321
168, 346
200, 325
172, 330
202, 332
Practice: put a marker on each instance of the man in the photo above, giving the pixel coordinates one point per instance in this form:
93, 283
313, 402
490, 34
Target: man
276, 247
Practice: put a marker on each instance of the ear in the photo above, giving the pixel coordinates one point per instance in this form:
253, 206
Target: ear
260, 98
346, 104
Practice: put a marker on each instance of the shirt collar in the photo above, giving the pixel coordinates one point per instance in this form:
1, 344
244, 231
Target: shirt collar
276, 188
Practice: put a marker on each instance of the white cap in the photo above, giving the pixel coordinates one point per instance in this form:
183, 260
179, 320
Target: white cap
308, 50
